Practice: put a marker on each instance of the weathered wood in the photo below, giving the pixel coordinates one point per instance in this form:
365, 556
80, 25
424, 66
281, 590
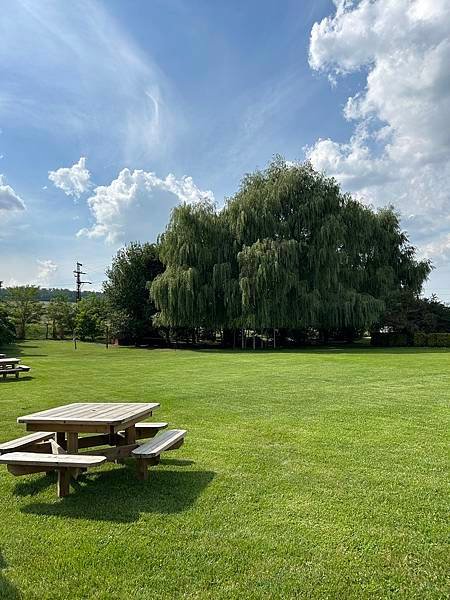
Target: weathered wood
113, 454
130, 435
19, 470
61, 427
63, 484
142, 465
111, 413
51, 460
161, 443
147, 430
91, 441
24, 441
42, 447
72, 442
56, 448
60, 437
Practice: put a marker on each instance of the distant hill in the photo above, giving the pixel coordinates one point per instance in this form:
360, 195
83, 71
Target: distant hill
46, 294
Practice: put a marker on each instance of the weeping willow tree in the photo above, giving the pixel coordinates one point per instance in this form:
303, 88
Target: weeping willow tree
199, 287
289, 250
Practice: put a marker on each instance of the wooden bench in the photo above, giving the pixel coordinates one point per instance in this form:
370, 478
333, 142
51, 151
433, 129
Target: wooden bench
24, 463
147, 430
150, 452
27, 442
14, 371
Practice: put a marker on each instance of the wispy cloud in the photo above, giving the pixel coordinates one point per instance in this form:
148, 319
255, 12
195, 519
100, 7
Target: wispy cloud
72, 70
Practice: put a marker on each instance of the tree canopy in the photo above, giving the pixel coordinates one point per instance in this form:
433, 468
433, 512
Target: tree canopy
289, 250
7, 328
23, 306
126, 290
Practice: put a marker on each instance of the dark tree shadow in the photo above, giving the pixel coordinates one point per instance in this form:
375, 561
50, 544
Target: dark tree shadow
17, 350
344, 349
117, 495
8, 591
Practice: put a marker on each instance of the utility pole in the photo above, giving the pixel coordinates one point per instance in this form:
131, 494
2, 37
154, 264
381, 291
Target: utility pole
78, 273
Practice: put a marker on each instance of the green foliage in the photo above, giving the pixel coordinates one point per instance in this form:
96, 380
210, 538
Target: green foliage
91, 317
389, 339
61, 314
7, 327
24, 307
197, 288
420, 339
126, 290
289, 250
441, 340
407, 313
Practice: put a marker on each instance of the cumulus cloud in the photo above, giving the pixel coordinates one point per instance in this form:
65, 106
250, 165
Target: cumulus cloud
9, 199
132, 206
400, 150
46, 268
74, 180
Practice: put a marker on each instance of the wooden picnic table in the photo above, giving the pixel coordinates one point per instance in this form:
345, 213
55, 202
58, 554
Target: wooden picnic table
55, 442
6, 363
114, 421
2, 355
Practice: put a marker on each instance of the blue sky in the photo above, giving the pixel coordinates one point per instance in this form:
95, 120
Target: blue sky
113, 112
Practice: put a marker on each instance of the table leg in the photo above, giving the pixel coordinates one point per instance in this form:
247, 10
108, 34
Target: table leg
72, 442
130, 435
63, 485
72, 448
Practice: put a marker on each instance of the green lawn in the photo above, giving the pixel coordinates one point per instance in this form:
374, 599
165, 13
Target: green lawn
308, 474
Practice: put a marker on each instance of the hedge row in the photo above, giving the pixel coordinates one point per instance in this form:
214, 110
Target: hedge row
441, 340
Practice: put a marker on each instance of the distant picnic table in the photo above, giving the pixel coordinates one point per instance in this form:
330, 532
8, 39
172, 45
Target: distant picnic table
55, 441
11, 366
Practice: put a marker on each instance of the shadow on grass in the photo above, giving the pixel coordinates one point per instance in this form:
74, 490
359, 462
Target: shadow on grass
9, 378
17, 350
350, 349
118, 496
7, 590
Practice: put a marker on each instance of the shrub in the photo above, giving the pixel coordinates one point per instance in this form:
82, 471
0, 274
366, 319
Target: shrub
389, 339
434, 340
420, 339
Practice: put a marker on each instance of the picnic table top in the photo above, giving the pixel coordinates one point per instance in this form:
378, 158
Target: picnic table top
6, 361
91, 413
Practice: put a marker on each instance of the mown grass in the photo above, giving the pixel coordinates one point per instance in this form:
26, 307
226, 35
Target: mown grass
308, 474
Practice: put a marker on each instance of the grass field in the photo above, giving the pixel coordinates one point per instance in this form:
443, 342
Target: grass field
309, 474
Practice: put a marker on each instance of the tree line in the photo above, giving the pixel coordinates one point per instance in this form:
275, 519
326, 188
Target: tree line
290, 258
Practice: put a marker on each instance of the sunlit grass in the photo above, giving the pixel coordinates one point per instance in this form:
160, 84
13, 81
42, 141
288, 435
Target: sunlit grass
309, 474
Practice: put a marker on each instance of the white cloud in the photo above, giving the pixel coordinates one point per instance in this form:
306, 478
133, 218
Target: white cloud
400, 150
132, 206
74, 180
9, 199
46, 269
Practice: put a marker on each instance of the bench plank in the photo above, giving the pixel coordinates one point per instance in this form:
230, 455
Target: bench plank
161, 443
145, 430
51, 460
26, 440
